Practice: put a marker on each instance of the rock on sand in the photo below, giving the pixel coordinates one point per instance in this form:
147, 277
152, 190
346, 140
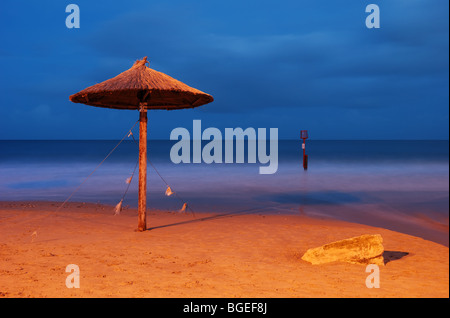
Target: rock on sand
364, 249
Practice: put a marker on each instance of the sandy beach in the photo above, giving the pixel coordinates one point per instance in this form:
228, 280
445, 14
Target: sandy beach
211, 255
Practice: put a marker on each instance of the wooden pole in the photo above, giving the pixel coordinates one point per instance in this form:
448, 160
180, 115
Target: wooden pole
142, 205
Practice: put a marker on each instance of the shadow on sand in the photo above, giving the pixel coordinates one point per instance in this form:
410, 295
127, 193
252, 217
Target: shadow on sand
213, 217
390, 256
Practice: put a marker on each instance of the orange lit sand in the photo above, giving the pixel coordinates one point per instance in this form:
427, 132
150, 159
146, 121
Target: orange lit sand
233, 256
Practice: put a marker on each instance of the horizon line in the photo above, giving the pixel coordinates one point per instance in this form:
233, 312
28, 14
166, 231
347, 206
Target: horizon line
283, 139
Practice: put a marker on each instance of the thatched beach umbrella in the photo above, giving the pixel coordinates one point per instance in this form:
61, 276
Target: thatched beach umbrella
142, 88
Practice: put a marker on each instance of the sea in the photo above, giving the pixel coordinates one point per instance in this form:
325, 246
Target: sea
397, 185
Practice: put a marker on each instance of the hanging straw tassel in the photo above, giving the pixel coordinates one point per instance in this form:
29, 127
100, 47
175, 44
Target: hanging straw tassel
118, 208
169, 191
183, 208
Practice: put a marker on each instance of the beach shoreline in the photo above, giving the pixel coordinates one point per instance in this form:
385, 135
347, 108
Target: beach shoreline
230, 255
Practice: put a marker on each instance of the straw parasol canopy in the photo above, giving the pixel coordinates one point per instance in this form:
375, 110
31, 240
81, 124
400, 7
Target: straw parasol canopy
141, 86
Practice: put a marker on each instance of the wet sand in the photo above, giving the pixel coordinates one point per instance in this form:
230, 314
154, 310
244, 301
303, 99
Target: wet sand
211, 255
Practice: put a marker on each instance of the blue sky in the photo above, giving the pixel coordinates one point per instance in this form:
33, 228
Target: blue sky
290, 65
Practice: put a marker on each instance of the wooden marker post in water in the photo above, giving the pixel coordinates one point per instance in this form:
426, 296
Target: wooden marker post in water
142, 88
304, 136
